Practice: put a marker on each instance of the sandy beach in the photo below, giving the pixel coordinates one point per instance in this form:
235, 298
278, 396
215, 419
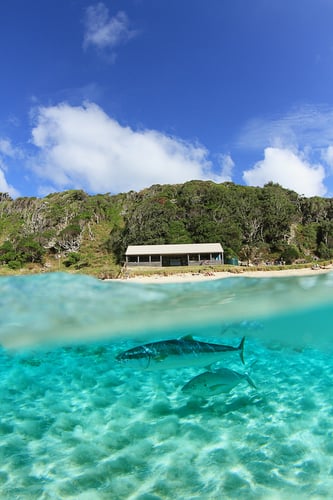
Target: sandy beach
202, 276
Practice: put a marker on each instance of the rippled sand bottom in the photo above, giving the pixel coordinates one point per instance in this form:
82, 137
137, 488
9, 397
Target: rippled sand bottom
76, 425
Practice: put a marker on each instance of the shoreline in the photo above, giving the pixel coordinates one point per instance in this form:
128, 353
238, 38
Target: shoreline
207, 276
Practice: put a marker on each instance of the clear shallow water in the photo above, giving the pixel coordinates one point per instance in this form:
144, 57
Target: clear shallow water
76, 424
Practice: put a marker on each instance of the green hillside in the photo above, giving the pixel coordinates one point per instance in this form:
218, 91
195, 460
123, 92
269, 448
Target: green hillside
77, 232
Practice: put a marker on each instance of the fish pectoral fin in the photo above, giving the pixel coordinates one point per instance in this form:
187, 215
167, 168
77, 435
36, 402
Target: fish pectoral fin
250, 381
160, 358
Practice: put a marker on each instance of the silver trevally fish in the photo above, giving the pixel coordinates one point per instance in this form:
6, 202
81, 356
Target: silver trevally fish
216, 382
177, 353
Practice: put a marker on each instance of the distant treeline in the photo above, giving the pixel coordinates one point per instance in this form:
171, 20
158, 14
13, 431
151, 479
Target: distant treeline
255, 224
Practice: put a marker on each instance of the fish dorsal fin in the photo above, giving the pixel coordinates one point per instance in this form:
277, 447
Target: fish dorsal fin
187, 337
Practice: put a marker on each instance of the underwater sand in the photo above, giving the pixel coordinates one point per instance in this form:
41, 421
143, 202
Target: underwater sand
75, 424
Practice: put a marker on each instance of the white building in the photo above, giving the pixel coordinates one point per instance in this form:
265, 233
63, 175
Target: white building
174, 255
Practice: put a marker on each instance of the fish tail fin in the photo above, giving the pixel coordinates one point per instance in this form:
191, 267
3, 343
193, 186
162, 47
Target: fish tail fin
250, 381
241, 349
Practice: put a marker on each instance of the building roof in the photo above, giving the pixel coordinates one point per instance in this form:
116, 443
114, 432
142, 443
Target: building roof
174, 249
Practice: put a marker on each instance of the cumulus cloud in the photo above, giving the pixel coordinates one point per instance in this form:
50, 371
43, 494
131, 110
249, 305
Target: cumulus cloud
83, 147
4, 186
103, 31
308, 129
290, 170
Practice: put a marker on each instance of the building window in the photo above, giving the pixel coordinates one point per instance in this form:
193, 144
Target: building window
155, 258
143, 258
205, 256
132, 258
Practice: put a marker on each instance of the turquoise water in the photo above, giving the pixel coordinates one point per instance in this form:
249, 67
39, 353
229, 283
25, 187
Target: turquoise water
76, 424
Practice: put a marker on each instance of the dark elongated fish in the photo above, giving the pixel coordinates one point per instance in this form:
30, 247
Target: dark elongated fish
177, 353
217, 382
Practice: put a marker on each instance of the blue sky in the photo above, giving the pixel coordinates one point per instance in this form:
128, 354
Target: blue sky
118, 95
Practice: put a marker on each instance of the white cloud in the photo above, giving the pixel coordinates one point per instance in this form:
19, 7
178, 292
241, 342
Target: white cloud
7, 149
4, 186
305, 126
290, 170
103, 31
227, 165
83, 147
308, 129
327, 155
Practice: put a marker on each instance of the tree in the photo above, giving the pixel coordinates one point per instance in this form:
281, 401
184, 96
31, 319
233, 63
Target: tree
290, 254
72, 259
278, 213
324, 252
325, 233
7, 252
29, 250
250, 216
5, 197
306, 237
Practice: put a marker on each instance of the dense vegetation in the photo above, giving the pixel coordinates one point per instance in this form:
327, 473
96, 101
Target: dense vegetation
90, 233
